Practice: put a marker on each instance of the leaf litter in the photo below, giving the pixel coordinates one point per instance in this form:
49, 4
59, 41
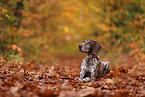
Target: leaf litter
59, 80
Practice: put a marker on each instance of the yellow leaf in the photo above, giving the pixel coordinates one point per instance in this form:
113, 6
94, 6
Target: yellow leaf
109, 81
14, 89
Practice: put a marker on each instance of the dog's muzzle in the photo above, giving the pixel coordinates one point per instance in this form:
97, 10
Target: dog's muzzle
80, 46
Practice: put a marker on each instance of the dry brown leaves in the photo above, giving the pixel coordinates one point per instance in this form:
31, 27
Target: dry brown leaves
51, 80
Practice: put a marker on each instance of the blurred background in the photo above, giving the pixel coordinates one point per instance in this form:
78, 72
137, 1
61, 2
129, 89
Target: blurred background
40, 30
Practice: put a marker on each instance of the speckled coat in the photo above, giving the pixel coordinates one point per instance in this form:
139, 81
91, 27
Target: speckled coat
92, 67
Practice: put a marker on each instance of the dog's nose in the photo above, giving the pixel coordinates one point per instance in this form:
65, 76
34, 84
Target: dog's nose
79, 45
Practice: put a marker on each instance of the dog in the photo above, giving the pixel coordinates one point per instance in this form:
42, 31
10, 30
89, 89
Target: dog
92, 67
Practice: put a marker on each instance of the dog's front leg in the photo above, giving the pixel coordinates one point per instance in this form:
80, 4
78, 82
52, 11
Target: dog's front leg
83, 70
93, 73
82, 73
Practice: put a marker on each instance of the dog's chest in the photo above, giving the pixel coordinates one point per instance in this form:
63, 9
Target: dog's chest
91, 61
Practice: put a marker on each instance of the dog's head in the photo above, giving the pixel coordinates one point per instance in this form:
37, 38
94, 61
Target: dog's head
90, 46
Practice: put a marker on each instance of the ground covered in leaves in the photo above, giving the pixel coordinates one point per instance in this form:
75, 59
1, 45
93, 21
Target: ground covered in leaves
60, 79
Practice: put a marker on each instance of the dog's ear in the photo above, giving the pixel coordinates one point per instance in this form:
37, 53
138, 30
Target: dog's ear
96, 47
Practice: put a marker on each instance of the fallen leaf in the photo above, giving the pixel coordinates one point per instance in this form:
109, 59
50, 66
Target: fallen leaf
14, 89
86, 91
109, 81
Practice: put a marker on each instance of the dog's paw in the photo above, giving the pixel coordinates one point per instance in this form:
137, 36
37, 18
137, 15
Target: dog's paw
87, 79
80, 80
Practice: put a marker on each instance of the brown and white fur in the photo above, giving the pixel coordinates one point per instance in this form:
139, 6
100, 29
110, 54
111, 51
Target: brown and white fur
92, 67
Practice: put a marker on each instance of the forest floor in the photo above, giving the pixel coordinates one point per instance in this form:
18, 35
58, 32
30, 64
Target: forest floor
59, 79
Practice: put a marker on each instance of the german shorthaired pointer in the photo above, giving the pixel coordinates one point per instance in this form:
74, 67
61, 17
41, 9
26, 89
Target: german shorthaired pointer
92, 67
